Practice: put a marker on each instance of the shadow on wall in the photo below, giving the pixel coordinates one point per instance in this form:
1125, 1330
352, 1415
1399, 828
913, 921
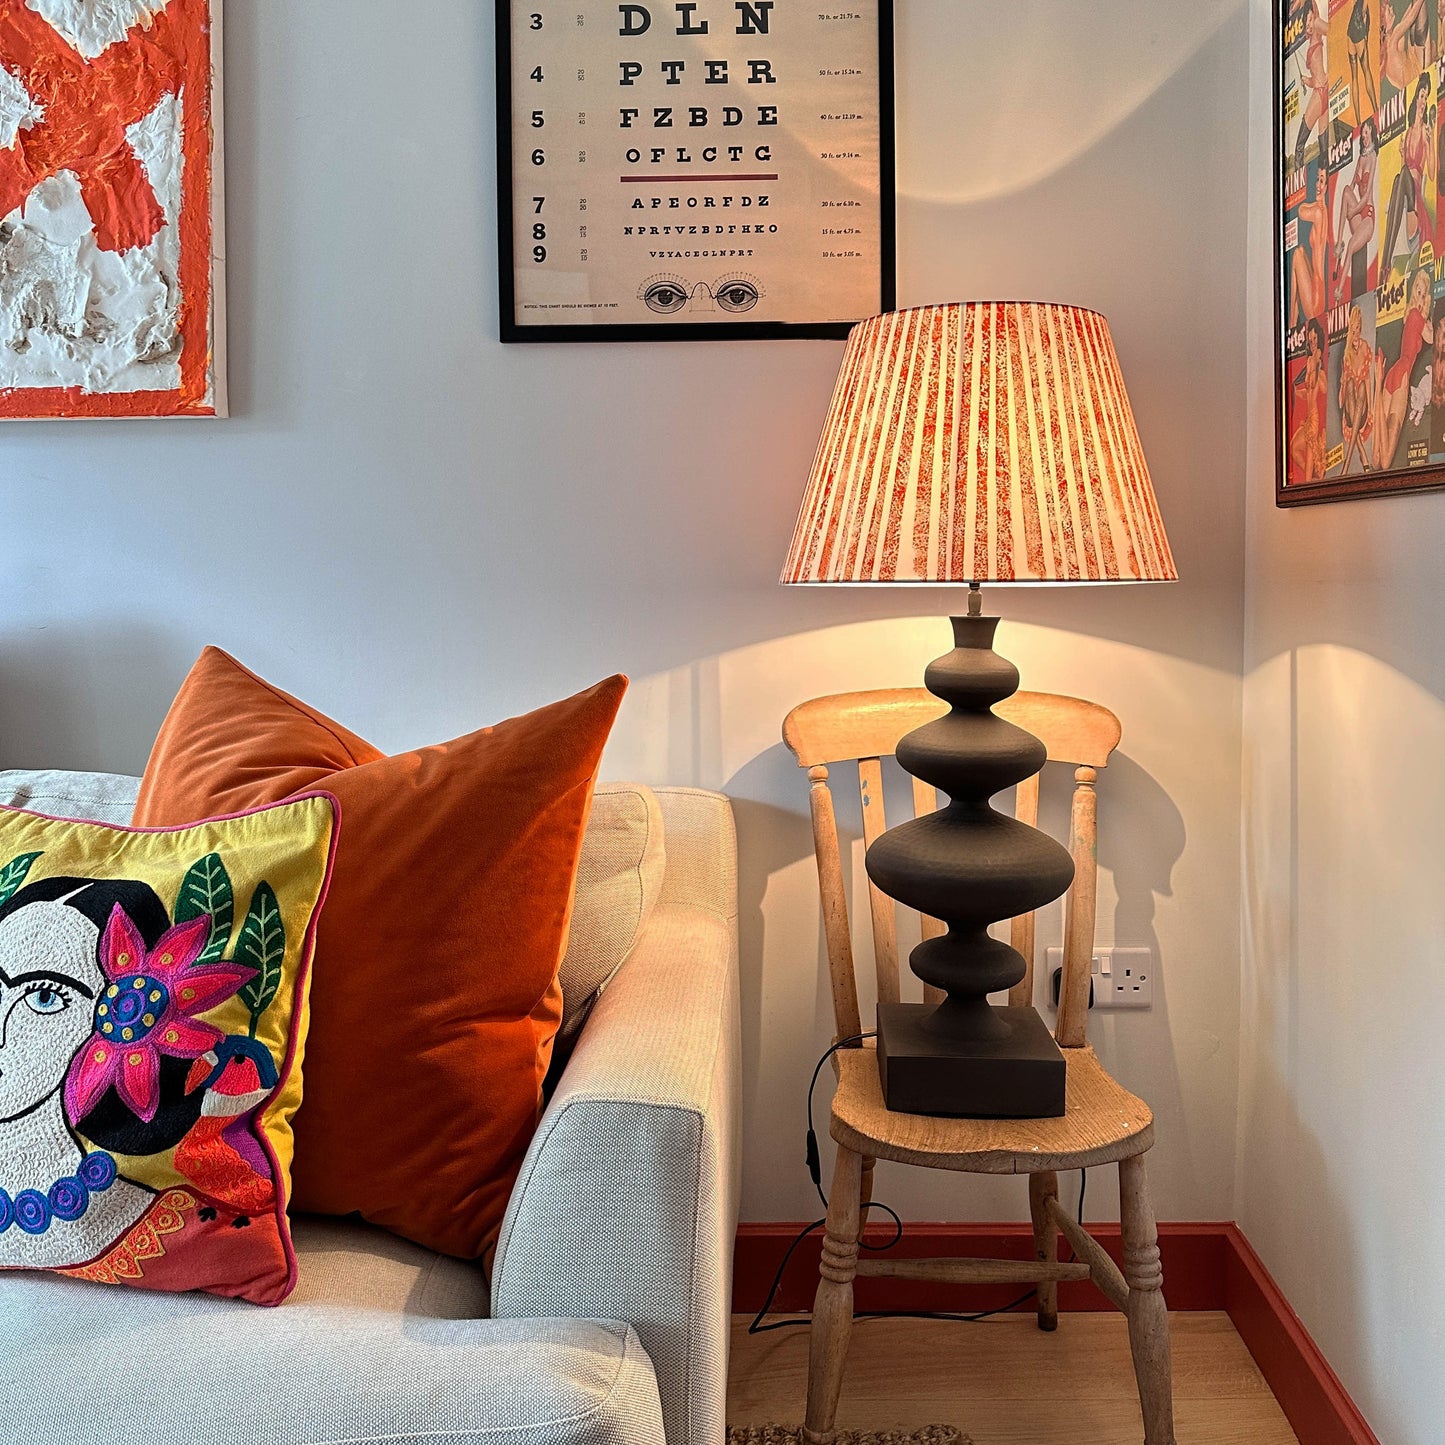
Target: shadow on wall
1141, 838
771, 840
77, 690
1295, 1194
1344, 587
1084, 79
1341, 1071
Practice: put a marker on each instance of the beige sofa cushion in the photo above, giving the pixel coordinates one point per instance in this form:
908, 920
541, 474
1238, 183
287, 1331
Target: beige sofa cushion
619, 875
382, 1342
91, 797
619, 880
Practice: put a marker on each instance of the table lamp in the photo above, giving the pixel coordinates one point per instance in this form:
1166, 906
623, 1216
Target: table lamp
971, 443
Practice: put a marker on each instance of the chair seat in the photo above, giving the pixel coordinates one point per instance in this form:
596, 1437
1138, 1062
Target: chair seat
1103, 1123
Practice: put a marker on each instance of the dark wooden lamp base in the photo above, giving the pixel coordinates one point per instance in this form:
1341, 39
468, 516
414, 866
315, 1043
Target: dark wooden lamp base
969, 866
1014, 1073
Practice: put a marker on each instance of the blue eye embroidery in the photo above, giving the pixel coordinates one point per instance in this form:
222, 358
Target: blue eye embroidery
45, 998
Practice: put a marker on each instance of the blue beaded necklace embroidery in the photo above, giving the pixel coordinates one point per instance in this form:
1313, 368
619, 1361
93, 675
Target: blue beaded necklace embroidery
67, 1199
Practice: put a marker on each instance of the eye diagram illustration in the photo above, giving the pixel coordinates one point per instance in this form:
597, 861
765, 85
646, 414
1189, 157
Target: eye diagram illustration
737, 293
668, 294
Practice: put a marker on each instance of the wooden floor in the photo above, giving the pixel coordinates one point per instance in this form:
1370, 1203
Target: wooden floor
1004, 1382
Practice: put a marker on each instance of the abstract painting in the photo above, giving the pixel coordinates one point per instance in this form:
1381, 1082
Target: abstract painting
110, 217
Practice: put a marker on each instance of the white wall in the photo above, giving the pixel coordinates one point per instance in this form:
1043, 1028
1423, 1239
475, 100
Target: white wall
1342, 1147
420, 530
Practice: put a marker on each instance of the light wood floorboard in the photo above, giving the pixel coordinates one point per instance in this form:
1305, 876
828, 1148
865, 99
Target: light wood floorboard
1004, 1382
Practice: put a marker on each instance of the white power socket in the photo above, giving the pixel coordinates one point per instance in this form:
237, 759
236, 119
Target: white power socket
1123, 977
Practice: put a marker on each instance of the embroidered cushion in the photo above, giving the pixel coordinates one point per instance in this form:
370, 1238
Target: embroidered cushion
435, 999
153, 991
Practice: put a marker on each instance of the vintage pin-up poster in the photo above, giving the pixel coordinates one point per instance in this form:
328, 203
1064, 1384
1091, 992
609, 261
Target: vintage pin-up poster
110, 222
1361, 283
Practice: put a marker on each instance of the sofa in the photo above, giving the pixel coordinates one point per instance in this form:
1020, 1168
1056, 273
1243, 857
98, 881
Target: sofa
605, 1319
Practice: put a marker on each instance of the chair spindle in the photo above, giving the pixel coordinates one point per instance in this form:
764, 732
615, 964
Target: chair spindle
1072, 1030
1021, 929
885, 918
835, 912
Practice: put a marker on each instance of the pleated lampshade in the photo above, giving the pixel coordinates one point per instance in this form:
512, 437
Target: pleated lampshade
980, 442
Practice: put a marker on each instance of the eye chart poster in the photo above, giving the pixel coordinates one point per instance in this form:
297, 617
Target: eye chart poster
710, 168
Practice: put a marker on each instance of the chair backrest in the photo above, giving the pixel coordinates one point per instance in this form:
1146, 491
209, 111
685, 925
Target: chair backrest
864, 728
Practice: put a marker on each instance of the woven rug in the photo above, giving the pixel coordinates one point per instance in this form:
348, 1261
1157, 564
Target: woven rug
793, 1435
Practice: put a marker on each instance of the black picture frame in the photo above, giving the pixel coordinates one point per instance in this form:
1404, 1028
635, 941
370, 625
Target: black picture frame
512, 332
1320, 164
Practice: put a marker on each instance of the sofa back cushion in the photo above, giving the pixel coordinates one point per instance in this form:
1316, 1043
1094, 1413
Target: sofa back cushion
619, 880
619, 872
90, 797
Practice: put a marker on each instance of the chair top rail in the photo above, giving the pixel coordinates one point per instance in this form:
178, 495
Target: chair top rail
850, 725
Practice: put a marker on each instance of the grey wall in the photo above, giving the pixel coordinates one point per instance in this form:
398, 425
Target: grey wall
421, 531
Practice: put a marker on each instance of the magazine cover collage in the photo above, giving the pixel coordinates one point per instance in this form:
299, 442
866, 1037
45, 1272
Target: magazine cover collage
1362, 294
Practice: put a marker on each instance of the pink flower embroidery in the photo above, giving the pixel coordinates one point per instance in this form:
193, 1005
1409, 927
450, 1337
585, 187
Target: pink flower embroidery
149, 1010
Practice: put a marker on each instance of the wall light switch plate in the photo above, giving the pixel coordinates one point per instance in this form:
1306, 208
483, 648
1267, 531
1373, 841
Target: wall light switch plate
1122, 977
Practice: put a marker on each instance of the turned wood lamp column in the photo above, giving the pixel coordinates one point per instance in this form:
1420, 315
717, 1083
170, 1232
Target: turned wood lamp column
972, 443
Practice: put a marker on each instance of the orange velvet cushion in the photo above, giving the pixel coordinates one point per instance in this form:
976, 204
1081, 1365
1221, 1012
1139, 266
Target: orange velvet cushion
434, 996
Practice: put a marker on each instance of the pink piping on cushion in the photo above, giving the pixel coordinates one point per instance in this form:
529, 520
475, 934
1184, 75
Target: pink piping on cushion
308, 946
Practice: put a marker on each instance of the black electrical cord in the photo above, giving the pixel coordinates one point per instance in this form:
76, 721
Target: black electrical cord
815, 1172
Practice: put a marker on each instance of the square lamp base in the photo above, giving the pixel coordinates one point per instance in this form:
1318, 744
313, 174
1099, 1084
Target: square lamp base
1018, 1075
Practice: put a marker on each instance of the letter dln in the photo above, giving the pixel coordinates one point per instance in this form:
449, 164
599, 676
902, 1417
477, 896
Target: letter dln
754, 16
636, 19
685, 11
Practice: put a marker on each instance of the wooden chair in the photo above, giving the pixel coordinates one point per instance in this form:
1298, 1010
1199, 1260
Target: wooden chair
1104, 1123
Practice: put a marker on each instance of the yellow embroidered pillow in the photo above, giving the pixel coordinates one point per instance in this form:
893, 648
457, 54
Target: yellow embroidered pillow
153, 1005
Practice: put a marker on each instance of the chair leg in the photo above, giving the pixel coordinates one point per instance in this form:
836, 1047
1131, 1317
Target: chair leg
833, 1304
1042, 1188
865, 1194
1148, 1315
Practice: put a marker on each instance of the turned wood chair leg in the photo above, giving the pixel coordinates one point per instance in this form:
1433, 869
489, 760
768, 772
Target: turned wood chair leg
1147, 1312
865, 1194
833, 1304
1042, 1188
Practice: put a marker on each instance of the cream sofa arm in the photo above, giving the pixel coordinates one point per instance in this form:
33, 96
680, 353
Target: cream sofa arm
626, 1204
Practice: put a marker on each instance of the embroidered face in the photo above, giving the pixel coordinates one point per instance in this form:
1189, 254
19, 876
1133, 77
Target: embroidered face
49, 979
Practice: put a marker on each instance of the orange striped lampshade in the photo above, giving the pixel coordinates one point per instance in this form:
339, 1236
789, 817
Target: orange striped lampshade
981, 442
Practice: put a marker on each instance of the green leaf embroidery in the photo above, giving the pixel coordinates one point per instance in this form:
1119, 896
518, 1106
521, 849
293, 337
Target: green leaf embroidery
262, 946
206, 888
12, 875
